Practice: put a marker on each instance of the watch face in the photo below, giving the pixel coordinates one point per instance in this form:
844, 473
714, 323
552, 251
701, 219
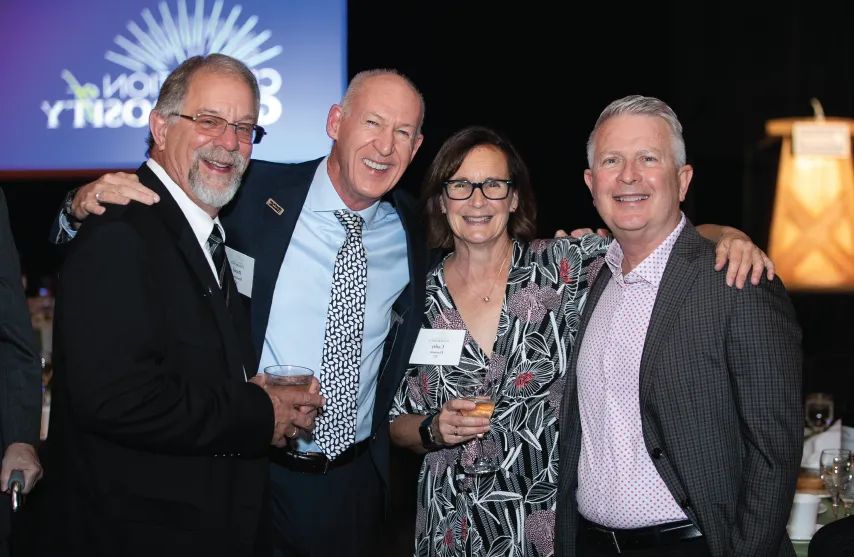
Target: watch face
427, 433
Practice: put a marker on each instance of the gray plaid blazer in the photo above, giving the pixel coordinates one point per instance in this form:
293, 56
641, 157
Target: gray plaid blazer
720, 396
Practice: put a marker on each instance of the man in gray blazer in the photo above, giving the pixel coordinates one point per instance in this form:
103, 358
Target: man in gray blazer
681, 429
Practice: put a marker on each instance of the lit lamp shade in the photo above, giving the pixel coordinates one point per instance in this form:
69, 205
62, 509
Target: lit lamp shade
812, 227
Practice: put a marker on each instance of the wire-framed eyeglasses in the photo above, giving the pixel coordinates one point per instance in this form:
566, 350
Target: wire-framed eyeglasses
215, 126
491, 189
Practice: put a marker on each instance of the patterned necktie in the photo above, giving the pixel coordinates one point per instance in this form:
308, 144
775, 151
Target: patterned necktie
342, 346
217, 248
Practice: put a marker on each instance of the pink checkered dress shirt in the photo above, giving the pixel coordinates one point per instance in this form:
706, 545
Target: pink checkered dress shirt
618, 485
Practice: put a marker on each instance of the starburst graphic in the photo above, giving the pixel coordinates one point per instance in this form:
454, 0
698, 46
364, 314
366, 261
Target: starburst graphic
167, 43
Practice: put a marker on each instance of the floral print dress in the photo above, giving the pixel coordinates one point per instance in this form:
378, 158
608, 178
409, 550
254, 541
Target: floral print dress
510, 513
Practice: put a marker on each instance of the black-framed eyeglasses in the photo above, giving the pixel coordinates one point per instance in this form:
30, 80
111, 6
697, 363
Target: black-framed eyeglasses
215, 126
491, 189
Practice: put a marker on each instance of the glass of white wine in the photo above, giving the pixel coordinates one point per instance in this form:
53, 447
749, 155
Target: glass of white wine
835, 471
482, 392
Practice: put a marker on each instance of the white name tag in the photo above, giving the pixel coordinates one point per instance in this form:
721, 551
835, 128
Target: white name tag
440, 347
243, 269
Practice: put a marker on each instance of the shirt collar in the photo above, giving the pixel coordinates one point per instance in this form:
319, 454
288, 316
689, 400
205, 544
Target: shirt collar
649, 270
200, 222
322, 197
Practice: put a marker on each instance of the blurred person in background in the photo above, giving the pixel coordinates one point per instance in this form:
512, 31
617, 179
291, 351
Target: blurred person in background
20, 379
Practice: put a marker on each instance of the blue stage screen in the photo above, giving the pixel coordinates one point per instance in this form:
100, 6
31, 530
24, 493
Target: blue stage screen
80, 77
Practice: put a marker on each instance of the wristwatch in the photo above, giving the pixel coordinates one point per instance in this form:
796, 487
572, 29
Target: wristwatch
67, 206
427, 438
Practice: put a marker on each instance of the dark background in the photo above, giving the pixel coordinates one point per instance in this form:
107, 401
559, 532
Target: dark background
543, 71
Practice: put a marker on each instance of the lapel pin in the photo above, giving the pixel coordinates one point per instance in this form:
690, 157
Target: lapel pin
271, 203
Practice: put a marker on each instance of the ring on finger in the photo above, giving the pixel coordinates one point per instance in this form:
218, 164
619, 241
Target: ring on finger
98, 196
456, 432
294, 434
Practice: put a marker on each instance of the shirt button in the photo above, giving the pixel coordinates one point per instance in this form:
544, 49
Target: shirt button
656, 453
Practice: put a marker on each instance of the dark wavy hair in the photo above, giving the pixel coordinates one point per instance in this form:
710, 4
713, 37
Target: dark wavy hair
522, 223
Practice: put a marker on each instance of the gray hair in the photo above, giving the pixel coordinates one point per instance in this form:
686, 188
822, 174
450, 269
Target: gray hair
177, 84
359, 80
641, 106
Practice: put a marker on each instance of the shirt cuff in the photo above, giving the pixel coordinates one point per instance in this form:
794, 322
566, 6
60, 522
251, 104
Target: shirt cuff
66, 226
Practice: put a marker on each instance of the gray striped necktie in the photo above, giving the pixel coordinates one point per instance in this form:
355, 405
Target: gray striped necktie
216, 246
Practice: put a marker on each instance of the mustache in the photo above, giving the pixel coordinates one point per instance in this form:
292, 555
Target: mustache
220, 156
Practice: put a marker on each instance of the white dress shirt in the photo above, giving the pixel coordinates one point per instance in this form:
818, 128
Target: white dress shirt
200, 221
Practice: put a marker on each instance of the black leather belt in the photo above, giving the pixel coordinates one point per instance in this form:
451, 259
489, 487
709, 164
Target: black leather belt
316, 463
650, 537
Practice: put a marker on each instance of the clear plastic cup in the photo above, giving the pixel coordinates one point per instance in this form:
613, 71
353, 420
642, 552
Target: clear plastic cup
291, 377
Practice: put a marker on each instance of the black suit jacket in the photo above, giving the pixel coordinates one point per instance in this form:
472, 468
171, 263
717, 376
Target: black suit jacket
20, 370
255, 229
720, 399
157, 443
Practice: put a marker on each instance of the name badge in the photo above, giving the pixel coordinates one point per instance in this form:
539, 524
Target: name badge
243, 269
440, 347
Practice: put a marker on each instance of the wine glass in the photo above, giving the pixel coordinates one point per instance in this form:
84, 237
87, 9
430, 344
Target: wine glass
835, 471
818, 409
847, 494
482, 392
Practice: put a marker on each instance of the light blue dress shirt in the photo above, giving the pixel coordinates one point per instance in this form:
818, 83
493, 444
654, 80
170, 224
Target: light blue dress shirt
297, 324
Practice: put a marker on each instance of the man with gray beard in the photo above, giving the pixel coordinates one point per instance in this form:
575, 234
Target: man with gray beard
160, 429
216, 197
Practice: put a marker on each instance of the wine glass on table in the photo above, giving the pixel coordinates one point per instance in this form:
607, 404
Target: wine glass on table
835, 471
483, 393
847, 496
818, 410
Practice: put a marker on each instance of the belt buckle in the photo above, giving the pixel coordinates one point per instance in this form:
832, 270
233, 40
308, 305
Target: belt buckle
613, 539
616, 545
314, 457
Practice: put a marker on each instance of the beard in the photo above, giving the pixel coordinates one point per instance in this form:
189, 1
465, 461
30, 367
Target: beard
216, 191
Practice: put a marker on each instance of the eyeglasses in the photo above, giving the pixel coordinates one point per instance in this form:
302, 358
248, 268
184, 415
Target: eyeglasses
491, 189
215, 126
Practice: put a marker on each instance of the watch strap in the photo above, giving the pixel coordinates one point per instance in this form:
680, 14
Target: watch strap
67, 205
428, 438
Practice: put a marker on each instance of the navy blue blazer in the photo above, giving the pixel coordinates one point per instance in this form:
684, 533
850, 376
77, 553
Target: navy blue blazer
252, 227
